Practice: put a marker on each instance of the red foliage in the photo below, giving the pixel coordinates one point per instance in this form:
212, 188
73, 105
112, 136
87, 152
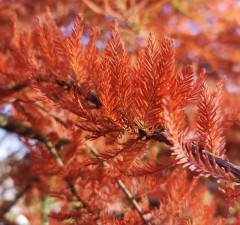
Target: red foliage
109, 132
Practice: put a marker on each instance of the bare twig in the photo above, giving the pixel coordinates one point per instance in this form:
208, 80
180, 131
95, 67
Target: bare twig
54, 154
74, 193
125, 190
60, 163
51, 114
132, 200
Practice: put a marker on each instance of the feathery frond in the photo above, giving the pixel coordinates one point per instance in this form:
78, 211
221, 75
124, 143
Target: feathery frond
210, 120
75, 52
153, 71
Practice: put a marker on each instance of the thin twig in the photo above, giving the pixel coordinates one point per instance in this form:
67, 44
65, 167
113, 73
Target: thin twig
132, 200
74, 193
54, 154
125, 190
60, 163
51, 114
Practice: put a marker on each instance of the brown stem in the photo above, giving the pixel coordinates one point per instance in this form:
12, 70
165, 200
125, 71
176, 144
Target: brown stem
60, 163
125, 190
74, 192
132, 200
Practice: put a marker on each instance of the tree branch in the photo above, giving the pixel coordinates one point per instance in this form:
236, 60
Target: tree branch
125, 190
132, 200
228, 166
